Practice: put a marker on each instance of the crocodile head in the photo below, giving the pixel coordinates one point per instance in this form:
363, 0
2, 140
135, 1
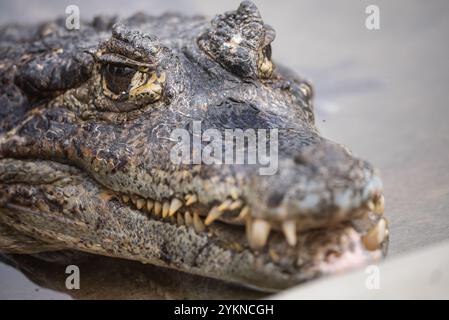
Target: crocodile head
89, 159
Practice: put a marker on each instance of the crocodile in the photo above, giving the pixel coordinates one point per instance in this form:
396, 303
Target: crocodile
86, 152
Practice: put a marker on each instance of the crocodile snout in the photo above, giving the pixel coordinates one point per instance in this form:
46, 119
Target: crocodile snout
316, 186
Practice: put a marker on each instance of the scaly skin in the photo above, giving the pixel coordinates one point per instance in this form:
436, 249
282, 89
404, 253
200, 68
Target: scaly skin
85, 145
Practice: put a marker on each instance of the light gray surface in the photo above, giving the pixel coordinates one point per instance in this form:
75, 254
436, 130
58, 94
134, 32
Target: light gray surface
14, 285
422, 274
383, 93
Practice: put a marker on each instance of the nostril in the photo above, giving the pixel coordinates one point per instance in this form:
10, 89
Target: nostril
275, 199
300, 159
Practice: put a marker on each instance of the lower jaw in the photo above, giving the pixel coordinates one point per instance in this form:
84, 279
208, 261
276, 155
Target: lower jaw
276, 265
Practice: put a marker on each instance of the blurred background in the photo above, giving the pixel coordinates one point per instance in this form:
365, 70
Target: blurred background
384, 93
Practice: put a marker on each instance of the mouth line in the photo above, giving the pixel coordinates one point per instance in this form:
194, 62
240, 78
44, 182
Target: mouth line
236, 214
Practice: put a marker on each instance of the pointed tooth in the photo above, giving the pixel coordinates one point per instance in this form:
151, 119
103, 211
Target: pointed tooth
191, 199
188, 219
179, 219
234, 194
260, 230
125, 198
236, 205
274, 256
150, 205
248, 229
224, 205
42, 206
236, 246
213, 215
289, 229
157, 208
165, 209
374, 238
107, 196
133, 200
379, 205
198, 224
175, 205
140, 203
370, 205
243, 214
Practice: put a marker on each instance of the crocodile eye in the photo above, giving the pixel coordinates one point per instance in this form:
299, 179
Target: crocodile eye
117, 78
130, 71
138, 85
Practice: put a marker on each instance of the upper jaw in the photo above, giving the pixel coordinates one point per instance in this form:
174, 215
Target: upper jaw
265, 209
321, 186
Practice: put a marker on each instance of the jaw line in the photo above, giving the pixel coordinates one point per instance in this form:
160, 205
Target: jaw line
314, 243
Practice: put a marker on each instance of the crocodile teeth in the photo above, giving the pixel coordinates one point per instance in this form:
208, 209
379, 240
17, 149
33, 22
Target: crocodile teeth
234, 194
274, 256
140, 203
134, 200
191, 199
236, 205
175, 205
373, 239
150, 205
224, 205
198, 225
213, 215
248, 229
188, 219
42, 206
157, 208
370, 205
289, 229
260, 230
379, 205
125, 198
179, 219
165, 209
243, 214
